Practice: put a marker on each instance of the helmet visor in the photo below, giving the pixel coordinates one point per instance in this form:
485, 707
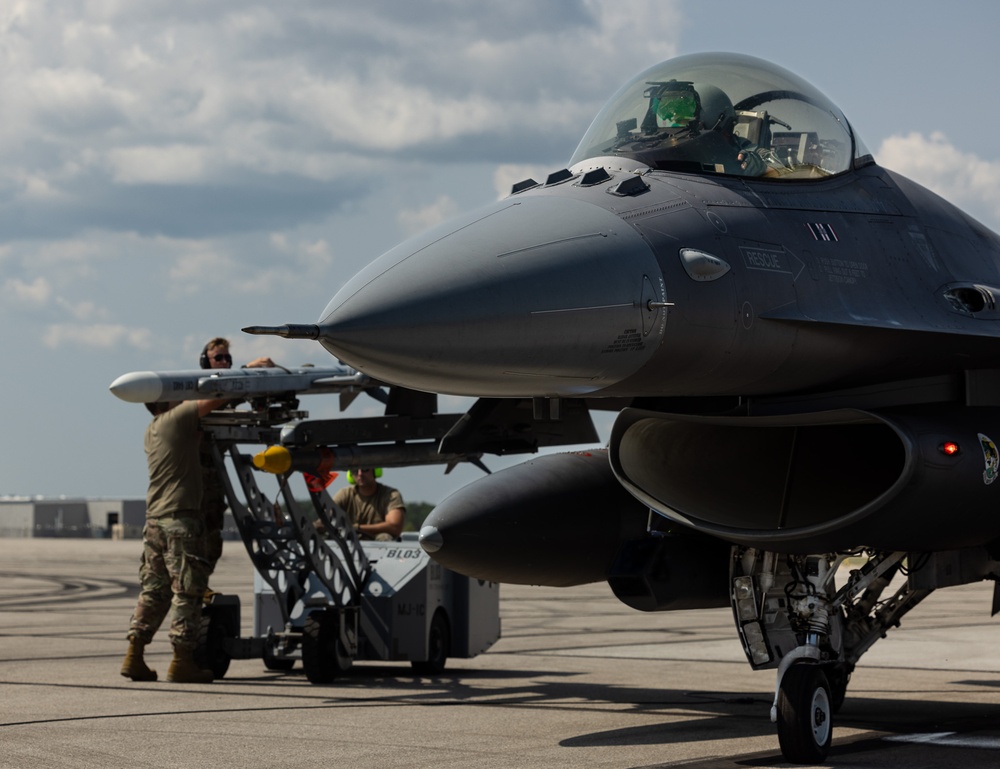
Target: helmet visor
676, 108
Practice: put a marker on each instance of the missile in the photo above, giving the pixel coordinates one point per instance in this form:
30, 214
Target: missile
280, 460
206, 384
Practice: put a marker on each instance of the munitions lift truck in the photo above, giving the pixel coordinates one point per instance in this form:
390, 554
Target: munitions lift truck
328, 600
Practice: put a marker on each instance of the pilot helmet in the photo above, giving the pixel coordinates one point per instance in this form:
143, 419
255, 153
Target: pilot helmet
701, 107
717, 113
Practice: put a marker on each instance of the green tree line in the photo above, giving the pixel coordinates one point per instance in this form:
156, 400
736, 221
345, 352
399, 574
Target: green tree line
416, 512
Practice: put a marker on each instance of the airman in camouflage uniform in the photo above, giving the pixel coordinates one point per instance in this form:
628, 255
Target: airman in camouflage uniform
377, 511
215, 354
174, 568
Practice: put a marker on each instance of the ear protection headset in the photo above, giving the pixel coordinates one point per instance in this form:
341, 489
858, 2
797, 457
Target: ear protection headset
351, 479
203, 361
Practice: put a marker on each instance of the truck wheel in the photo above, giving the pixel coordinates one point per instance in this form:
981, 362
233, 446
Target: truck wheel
805, 714
438, 646
217, 624
323, 655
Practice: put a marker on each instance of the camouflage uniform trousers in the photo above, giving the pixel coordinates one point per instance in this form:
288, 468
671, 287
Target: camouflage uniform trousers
173, 574
213, 507
214, 518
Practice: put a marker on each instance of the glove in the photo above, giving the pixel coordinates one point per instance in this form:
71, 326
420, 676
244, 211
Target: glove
751, 163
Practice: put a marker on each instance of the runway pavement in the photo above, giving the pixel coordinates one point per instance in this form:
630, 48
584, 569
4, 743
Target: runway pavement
577, 680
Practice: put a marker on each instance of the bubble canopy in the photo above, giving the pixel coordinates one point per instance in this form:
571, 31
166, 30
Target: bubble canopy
716, 113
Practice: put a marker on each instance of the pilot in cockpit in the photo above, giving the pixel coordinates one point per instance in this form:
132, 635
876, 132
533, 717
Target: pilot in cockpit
699, 119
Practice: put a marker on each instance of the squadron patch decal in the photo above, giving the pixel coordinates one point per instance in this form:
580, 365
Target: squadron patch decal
992, 458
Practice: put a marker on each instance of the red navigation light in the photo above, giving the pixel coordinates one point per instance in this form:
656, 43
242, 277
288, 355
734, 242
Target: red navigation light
950, 448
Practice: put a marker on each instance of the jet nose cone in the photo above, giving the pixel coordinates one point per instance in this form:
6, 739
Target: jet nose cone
541, 295
430, 539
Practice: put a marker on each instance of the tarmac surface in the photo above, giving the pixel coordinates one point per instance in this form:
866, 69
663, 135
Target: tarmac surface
577, 680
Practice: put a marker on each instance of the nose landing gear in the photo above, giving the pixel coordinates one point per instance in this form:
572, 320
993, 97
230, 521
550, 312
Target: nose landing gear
791, 616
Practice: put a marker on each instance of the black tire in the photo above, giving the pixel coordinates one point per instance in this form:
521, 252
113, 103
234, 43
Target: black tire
838, 675
805, 714
216, 626
438, 647
323, 655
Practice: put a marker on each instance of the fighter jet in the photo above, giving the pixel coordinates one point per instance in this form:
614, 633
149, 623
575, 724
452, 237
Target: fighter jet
804, 347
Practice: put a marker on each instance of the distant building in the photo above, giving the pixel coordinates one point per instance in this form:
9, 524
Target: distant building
120, 518
80, 517
70, 517
44, 517
17, 517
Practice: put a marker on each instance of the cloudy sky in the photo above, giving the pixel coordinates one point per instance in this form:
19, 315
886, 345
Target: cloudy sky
176, 170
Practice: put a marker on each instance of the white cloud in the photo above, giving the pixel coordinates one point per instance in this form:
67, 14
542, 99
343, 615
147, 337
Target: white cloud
279, 265
63, 261
38, 188
173, 164
279, 242
181, 93
262, 282
318, 249
304, 252
36, 292
417, 220
201, 269
960, 177
73, 98
84, 311
314, 258
98, 335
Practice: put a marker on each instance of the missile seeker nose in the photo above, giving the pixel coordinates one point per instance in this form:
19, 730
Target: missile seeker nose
138, 387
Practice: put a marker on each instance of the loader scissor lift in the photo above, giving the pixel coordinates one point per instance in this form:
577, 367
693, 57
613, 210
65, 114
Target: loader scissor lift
329, 599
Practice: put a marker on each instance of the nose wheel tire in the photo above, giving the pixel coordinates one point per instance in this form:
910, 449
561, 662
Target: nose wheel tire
438, 647
218, 623
805, 714
838, 675
323, 654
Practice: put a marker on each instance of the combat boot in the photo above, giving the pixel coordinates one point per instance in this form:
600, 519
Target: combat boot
184, 670
134, 666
